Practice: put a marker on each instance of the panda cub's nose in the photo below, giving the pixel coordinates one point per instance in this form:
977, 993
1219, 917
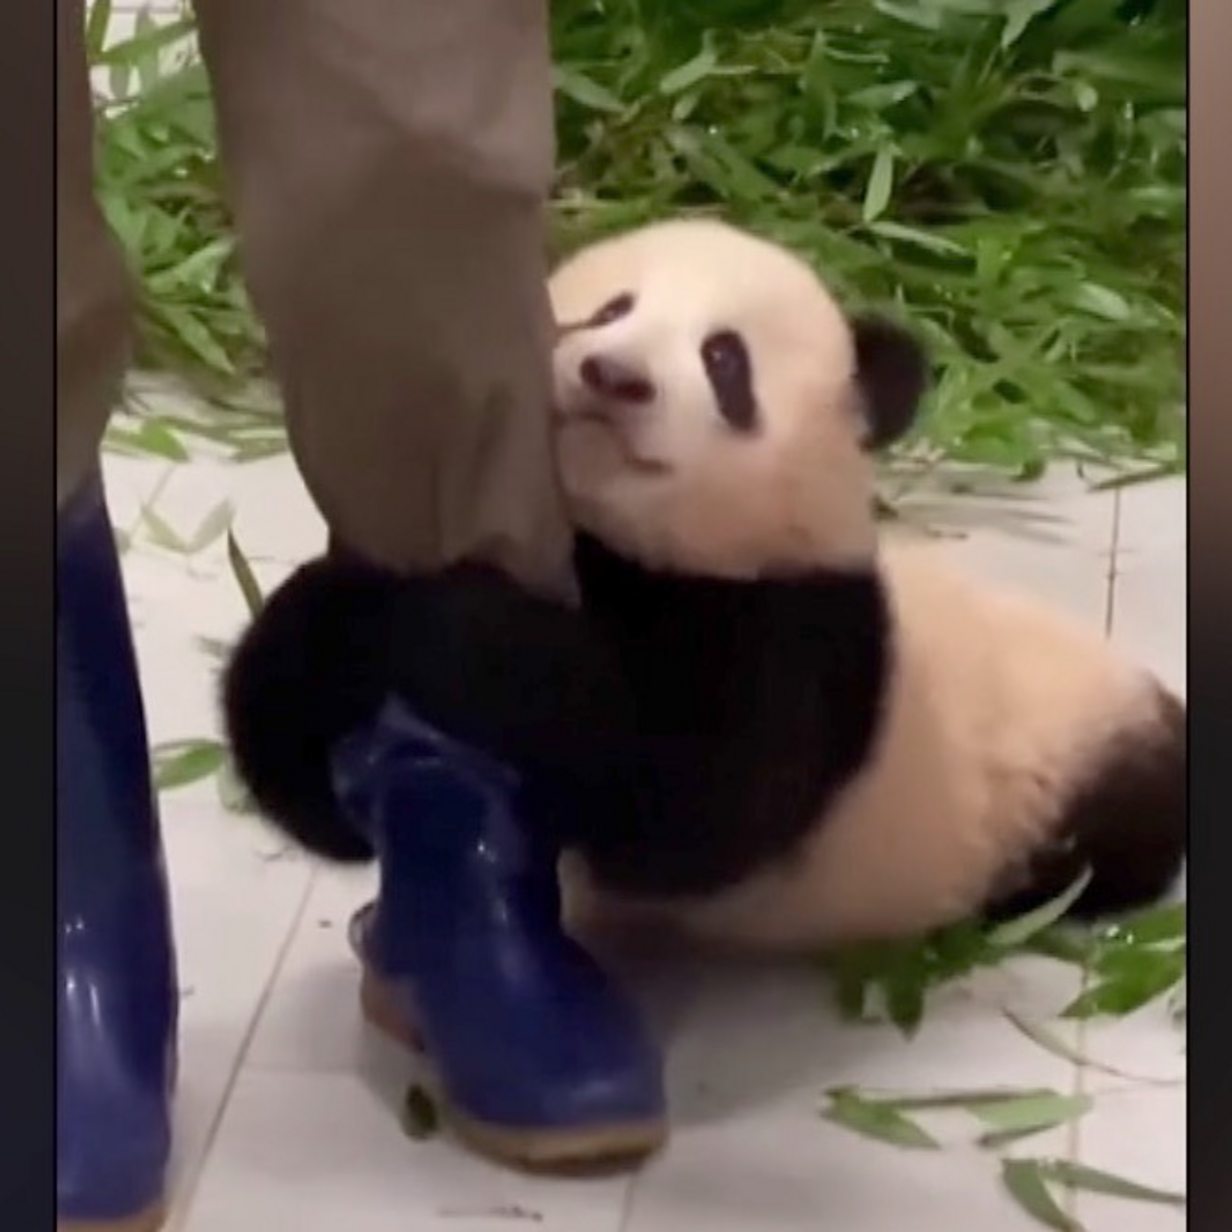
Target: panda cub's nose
610, 378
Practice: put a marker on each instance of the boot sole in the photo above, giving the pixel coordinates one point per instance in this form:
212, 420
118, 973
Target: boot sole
538, 1150
149, 1220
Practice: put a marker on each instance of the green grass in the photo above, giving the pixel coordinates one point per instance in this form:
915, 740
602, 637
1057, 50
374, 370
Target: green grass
1008, 174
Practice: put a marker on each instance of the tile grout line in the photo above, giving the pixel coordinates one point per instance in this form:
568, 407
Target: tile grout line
1073, 1145
1114, 550
182, 1204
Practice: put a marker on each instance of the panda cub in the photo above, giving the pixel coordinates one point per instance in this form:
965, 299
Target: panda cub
838, 738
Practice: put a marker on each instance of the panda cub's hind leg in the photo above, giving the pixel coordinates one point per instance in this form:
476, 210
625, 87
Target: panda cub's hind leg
1124, 821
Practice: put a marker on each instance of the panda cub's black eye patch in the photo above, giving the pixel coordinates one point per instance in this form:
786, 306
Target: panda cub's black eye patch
613, 310
730, 372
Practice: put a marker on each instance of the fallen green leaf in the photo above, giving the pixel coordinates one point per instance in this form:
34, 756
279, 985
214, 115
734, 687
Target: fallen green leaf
1147, 976
876, 1120
213, 526
1093, 1180
162, 533
182, 762
967, 1100
244, 577
1024, 1179
1151, 926
1015, 933
150, 438
1011, 1119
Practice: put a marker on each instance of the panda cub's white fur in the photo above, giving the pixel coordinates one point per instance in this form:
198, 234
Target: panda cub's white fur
994, 709
1004, 732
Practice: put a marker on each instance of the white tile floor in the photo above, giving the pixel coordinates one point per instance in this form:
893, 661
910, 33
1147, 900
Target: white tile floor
286, 1107
285, 1114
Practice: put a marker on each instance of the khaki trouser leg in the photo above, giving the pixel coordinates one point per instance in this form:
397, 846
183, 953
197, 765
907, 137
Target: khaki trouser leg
389, 162
92, 292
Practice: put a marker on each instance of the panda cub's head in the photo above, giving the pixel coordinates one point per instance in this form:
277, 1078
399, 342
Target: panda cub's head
714, 407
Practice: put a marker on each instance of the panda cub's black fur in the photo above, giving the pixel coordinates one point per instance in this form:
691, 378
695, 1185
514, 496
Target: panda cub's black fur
755, 703
1125, 824
487, 662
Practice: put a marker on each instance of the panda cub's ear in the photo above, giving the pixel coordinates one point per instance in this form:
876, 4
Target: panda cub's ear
891, 374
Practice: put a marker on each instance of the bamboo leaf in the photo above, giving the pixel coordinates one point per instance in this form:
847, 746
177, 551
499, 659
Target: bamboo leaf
1151, 926
162, 533
1018, 16
150, 439
582, 89
1024, 1179
930, 242
1018, 932
98, 21
1122, 995
1011, 1119
247, 582
1101, 302
1150, 474
968, 1100
880, 185
876, 1120
1049, 1041
150, 39
182, 763
690, 73
213, 526
1093, 1180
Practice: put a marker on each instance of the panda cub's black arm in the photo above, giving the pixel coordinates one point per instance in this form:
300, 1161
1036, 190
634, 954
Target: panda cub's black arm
756, 702
521, 677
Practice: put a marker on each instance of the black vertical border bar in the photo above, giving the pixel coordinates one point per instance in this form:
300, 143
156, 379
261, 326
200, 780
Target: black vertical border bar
27, 546
1210, 606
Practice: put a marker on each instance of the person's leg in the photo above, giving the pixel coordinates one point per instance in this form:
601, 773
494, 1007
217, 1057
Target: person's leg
117, 1000
389, 162
93, 298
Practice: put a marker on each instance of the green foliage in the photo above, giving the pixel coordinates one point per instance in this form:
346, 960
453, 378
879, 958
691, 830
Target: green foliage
1128, 962
1010, 176
1007, 173
1006, 1115
1027, 1181
1010, 1115
181, 762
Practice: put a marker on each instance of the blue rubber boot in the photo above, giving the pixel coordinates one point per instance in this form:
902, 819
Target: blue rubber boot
538, 1060
117, 994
